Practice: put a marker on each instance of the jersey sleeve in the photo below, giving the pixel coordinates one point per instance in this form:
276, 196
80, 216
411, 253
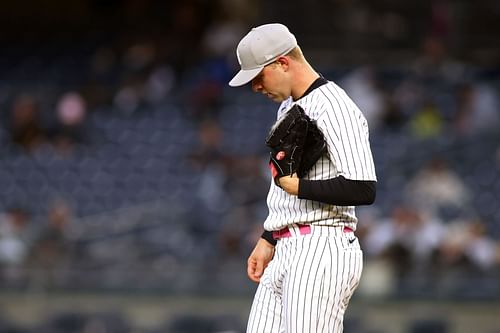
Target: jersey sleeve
346, 131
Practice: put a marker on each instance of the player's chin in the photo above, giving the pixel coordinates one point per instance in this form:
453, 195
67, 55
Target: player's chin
275, 98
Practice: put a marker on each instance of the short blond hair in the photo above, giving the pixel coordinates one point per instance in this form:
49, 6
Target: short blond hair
296, 54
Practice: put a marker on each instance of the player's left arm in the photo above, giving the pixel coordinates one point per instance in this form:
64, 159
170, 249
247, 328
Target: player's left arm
337, 191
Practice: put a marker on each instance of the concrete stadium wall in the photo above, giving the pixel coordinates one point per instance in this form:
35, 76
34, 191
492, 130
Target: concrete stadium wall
148, 312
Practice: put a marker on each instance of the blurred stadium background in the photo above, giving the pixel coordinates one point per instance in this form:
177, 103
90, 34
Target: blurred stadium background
133, 180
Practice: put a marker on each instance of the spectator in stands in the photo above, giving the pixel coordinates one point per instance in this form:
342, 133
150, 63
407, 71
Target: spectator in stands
207, 79
407, 239
128, 97
427, 122
478, 109
159, 84
209, 75
481, 250
103, 72
133, 89
237, 228
435, 65
187, 19
15, 241
209, 150
220, 39
211, 164
51, 248
362, 84
433, 72
436, 186
392, 117
466, 253
247, 182
70, 125
25, 125
204, 98
408, 95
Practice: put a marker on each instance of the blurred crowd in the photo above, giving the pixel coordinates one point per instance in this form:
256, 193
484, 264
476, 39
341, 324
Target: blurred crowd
434, 121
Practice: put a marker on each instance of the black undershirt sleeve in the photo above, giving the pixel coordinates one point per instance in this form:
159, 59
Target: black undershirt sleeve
338, 191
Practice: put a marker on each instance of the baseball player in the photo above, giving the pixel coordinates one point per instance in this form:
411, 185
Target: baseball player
308, 261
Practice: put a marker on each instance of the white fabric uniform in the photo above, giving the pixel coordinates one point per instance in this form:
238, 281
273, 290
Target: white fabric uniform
308, 284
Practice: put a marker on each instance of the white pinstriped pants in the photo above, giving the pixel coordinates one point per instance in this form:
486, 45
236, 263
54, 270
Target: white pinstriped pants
307, 286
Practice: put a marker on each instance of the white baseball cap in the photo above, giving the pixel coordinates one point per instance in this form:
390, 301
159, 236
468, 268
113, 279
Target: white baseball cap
260, 47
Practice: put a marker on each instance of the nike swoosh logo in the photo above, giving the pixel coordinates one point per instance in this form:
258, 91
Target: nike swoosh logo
351, 240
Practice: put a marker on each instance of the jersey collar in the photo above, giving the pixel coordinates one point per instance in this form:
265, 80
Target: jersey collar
316, 84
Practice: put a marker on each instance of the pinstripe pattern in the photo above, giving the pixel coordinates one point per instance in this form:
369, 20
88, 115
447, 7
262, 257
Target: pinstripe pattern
307, 286
349, 154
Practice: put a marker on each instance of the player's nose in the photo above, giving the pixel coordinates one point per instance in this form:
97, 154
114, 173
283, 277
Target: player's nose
256, 86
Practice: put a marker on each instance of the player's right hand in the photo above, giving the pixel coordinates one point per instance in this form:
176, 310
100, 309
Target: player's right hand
259, 259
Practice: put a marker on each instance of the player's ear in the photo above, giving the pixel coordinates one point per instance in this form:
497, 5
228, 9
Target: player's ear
283, 62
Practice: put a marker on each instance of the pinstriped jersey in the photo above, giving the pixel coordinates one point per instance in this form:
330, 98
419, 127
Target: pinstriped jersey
346, 132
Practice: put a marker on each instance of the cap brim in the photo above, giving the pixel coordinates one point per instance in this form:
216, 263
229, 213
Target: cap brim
244, 76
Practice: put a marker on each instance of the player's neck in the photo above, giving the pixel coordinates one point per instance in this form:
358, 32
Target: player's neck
303, 81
